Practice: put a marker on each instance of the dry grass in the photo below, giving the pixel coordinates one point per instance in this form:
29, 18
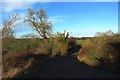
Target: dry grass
14, 60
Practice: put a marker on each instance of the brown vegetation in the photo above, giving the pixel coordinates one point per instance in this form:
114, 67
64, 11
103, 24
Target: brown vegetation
101, 51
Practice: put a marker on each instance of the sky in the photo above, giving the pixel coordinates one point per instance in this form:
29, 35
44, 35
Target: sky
82, 19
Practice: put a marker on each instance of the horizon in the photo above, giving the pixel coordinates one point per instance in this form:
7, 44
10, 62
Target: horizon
82, 19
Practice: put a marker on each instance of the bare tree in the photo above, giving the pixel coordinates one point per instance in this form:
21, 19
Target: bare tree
40, 22
7, 26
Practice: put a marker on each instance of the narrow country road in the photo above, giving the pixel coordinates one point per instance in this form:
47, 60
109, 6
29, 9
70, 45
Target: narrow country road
70, 67
61, 67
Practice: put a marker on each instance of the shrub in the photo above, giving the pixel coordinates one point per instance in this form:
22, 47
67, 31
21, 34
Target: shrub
97, 48
57, 45
105, 49
88, 53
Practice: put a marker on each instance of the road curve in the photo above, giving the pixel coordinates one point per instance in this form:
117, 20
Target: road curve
70, 67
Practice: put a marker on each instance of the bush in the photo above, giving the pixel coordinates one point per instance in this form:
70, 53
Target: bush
105, 49
97, 48
57, 45
88, 53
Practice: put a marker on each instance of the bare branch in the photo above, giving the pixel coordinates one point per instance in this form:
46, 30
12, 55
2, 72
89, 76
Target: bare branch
7, 25
38, 20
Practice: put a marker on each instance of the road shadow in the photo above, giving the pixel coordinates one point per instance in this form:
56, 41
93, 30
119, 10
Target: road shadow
33, 70
74, 48
60, 67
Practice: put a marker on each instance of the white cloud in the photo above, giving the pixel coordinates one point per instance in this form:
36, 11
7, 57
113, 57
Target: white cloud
58, 19
10, 6
55, 19
21, 25
61, 0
